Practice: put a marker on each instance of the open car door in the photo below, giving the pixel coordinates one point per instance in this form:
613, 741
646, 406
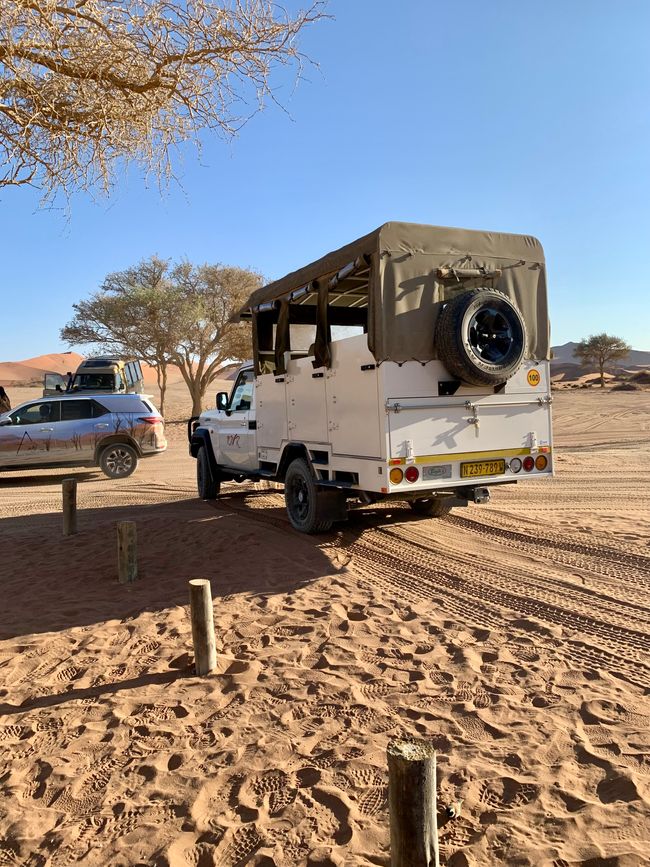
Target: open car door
54, 383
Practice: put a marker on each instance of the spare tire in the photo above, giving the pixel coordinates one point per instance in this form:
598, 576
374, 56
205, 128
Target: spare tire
481, 337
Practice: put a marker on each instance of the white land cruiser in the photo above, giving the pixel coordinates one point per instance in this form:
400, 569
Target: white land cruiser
409, 365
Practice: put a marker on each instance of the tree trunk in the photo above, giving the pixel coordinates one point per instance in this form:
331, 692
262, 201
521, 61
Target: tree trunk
162, 385
601, 364
197, 398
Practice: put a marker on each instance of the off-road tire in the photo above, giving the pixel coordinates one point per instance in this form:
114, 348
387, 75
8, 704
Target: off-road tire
481, 337
431, 507
207, 486
118, 460
301, 499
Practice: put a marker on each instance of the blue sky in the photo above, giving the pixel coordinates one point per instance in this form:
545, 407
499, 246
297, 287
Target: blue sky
509, 115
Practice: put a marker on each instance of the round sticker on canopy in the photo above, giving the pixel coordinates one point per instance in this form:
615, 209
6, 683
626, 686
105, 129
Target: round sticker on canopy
534, 377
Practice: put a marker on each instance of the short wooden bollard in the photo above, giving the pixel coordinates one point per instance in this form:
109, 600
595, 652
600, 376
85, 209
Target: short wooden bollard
412, 803
201, 613
69, 498
127, 552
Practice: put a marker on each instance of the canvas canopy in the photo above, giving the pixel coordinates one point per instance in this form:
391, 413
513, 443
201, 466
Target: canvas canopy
396, 280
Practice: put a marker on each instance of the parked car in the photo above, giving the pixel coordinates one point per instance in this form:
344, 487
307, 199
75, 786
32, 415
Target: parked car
412, 364
98, 376
110, 431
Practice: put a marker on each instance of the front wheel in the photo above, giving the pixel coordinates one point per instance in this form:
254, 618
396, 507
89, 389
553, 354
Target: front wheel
207, 487
302, 501
118, 461
432, 507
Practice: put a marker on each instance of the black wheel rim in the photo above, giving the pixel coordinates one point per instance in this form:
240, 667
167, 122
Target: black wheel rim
299, 499
491, 335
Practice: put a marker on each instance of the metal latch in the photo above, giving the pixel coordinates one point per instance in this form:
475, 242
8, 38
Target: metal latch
474, 410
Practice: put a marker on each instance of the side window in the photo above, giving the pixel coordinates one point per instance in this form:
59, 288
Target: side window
242, 395
128, 374
38, 413
97, 409
138, 370
73, 410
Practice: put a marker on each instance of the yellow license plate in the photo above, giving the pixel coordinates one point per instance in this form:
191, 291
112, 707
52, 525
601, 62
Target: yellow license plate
482, 468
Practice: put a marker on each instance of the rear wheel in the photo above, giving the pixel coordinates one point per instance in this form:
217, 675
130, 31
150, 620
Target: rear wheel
207, 486
302, 500
432, 507
118, 461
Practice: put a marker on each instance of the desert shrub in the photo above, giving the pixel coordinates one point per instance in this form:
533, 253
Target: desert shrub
642, 377
626, 386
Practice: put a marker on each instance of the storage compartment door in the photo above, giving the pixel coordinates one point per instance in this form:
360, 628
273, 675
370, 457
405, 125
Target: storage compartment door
306, 402
353, 410
271, 404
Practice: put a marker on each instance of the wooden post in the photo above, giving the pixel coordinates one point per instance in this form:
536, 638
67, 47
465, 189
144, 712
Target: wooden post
127, 552
69, 497
205, 652
412, 803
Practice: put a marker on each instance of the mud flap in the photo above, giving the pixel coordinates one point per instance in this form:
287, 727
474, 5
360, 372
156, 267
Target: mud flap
332, 505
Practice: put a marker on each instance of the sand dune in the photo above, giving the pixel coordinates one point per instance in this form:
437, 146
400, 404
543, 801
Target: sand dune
513, 636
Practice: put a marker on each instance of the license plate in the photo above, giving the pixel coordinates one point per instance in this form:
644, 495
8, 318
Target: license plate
482, 468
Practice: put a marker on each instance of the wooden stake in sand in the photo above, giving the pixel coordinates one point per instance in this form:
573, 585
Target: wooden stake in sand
127, 552
205, 651
412, 803
69, 497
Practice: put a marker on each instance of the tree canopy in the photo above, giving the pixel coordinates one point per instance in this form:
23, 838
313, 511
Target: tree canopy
86, 85
167, 314
600, 349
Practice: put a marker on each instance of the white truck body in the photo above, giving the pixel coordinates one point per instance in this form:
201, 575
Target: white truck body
466, 406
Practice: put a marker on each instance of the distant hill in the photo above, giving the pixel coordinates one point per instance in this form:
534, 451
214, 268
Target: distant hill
565, 354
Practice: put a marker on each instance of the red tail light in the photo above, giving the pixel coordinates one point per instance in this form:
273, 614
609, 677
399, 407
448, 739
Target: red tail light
412, 474
151, 419
529, 463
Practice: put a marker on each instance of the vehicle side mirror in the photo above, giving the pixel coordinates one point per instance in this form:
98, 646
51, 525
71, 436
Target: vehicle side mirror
5, 421
222, 400
58, 388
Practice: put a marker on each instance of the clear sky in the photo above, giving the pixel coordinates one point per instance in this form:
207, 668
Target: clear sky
510, 115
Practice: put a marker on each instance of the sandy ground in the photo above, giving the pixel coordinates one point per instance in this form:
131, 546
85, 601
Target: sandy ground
514, 636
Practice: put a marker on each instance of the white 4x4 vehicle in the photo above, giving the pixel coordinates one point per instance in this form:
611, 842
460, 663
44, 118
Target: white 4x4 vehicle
410, 365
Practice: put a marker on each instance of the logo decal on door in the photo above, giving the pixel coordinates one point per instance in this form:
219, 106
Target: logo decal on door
233, 440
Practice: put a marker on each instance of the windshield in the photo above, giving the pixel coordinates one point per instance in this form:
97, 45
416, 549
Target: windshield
105, 381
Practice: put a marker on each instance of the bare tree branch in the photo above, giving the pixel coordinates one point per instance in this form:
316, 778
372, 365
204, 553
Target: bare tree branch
86, 86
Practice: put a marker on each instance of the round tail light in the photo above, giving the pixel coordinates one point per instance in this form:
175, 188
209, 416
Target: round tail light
395, 476
541, 462
529, 463
412, 474
515, 465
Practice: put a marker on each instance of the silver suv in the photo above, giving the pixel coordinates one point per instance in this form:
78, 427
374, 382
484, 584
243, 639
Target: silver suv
110, 431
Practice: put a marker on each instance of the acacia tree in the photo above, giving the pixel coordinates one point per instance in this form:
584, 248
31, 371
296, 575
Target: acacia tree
205, 336
163, 313
88, 84
131, 315
600, 349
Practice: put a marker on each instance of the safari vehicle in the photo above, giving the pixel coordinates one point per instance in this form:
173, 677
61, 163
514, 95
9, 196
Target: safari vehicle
411, 364
111, 431
98, 376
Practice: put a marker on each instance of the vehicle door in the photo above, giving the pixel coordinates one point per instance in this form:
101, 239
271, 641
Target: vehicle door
31, 436
78, 430
236, 426
54, 383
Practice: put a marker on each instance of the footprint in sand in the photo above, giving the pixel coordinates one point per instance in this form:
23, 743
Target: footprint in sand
506, 793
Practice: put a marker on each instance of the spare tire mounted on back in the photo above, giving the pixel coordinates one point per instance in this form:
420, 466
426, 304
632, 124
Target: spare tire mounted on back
481, 337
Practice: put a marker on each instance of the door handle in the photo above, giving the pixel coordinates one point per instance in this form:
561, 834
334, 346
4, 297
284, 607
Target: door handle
101, 426
47, 428
243, 424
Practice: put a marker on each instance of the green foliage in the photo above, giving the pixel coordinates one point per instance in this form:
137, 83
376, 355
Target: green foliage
600, 349
169, 314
